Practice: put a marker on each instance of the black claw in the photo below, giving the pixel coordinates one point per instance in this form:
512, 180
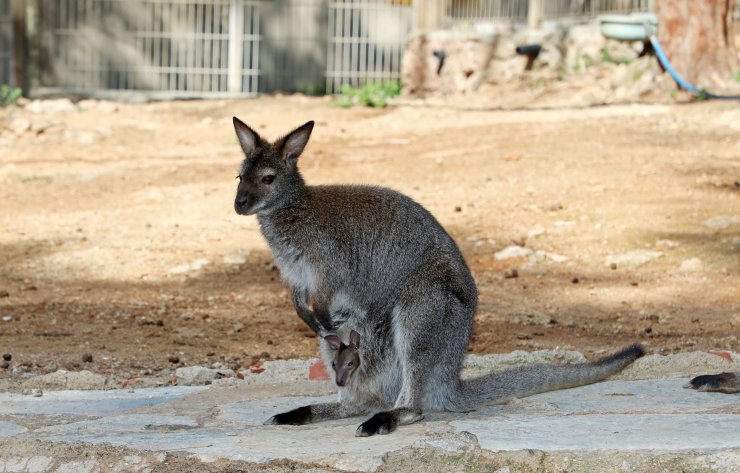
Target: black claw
297, 416
381, 424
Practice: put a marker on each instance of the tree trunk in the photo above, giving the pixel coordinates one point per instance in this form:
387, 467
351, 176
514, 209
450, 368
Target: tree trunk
697, 37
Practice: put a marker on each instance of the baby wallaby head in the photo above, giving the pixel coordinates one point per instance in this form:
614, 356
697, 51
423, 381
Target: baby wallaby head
268, 177
346, 357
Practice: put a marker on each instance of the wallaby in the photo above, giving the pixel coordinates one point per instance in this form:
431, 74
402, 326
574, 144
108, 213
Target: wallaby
375, 259
346, 357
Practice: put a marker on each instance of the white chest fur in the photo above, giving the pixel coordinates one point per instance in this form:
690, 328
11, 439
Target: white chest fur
297, 271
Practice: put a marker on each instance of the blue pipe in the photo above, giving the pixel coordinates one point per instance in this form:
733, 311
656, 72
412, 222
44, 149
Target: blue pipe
679, 80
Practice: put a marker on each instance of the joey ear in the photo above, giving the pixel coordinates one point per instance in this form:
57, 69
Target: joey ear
354, 340
248, 138
295, 141
335, 343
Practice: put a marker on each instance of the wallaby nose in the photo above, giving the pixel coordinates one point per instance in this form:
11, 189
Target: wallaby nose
241, 201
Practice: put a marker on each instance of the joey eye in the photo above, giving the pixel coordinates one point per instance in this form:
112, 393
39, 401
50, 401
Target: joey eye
333, 365
268, 179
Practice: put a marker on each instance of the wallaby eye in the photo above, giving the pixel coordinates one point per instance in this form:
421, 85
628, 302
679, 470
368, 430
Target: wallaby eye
350, 364
268, 179
333, 365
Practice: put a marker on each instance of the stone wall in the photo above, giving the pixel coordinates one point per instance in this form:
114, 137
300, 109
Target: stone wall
449, 62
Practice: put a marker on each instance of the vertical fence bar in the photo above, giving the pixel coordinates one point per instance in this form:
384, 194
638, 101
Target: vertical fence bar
236, 38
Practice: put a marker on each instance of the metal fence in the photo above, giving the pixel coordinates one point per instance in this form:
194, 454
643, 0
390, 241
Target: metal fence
367, 39
208, 48
517, 10
152, 45
6, 43
221, 47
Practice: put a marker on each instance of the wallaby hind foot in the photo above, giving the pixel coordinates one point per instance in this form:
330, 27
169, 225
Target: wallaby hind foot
728, 383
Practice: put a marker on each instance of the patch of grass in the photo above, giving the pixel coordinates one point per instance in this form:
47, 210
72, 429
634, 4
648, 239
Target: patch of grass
314, 89
35, 177
372, 94
584, 62
9, 95
736, 76
606, 57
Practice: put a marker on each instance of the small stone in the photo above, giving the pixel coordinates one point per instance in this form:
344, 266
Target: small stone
513, 251
235, 259
691, 265
543, 319
195, 375
51, 366
511, 273
7, 356
317, 371
7, 318
5, 365
575, 280
4, 293
721, 223
265, 355
613, 266
634, 258
37, 392
19, 125
173, 359
458, 209
87, 358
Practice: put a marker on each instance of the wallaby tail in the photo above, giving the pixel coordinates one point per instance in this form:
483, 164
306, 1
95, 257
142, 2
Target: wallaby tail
529, 380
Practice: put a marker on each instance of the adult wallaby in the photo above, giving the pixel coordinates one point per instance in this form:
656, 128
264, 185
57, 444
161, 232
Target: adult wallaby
373, 258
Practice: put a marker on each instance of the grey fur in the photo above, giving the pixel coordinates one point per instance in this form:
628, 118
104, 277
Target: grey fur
374, 260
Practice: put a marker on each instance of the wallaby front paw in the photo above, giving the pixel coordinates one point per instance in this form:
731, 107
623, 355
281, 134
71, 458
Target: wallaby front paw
297, 416
728, 383
381, 424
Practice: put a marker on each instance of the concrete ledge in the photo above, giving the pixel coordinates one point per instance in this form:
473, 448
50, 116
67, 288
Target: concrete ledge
617, 425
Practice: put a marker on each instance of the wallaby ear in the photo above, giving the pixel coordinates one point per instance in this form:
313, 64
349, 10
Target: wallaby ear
335, 343
295, 141
248, 138
354, 340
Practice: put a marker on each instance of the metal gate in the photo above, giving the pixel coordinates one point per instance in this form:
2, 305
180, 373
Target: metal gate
177, 46
366, 41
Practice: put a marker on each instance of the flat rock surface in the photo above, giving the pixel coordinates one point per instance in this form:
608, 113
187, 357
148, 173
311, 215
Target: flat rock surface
587, 426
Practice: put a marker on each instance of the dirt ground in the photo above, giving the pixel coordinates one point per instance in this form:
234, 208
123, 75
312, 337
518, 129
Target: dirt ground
118, 237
